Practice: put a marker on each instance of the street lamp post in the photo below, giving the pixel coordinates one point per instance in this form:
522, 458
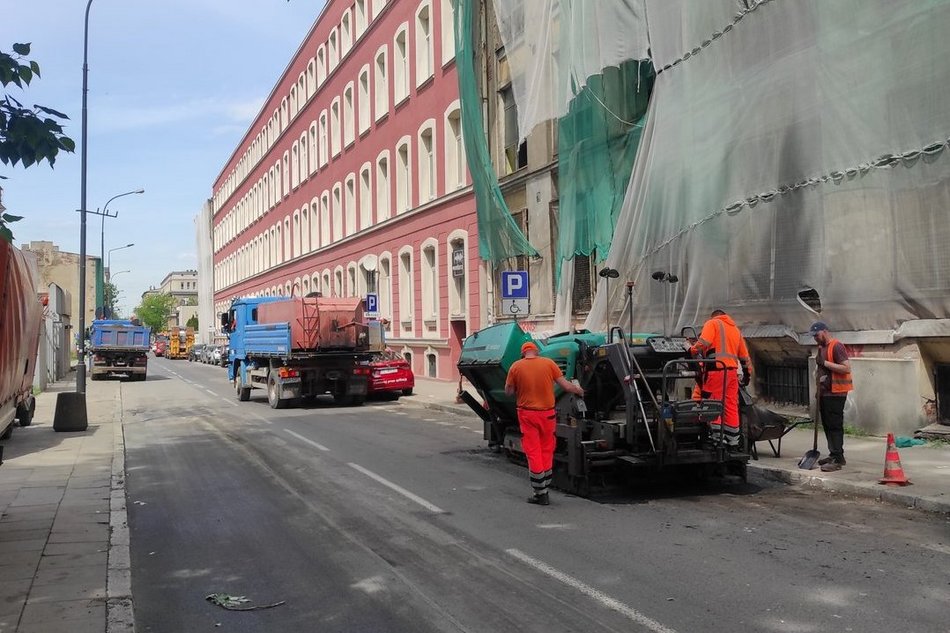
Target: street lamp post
81, 368
105, 214
117, 248
107, 299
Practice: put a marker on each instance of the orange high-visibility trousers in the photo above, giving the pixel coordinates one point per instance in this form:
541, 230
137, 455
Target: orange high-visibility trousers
537, 442
724, 385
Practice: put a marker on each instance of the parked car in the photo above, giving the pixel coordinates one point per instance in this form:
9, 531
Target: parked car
159, 347
390, 374
195, 353
214, 356
224, 355
206, 354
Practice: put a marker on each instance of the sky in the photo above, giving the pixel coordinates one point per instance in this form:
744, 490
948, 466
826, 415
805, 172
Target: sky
173, 87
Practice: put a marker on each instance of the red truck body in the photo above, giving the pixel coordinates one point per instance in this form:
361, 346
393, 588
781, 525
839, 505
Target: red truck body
21, 315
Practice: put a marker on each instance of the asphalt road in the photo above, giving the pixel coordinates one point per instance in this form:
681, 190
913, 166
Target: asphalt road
389, 517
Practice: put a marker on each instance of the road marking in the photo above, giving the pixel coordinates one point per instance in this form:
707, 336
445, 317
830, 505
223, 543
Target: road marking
231, 402
477, 432
211, 392
308, 441
412, 497
596, 594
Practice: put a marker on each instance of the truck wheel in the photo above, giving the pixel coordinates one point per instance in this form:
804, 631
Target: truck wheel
7, 432
24, 413
273, 393
243, 393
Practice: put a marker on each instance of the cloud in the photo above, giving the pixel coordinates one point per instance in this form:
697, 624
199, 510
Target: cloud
116, 117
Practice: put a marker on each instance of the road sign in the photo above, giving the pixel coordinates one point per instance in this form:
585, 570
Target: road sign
514, 293
372, 306
514, 284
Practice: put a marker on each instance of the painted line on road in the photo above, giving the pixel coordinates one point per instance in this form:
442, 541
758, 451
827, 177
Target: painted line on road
211, 392
408, 495
308, 441
590, 592
231, 402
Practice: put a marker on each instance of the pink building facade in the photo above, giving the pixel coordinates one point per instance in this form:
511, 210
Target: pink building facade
352, 179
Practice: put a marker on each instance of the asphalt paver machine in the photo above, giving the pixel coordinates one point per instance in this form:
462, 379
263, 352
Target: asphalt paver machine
637, 418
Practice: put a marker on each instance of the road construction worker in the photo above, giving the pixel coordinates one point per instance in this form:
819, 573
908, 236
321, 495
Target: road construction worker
721, 340
531, 379
834, 383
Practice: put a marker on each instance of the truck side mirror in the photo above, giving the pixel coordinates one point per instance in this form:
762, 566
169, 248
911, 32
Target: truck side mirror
689, 333
225, 320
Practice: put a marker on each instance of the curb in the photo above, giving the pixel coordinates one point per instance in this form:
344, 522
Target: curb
874, 491
119, 614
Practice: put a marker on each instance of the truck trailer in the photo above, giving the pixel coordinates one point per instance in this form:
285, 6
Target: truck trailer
300, 348
118, 347
21, 315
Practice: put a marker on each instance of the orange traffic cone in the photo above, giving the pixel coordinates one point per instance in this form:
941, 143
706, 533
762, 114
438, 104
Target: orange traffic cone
893, 472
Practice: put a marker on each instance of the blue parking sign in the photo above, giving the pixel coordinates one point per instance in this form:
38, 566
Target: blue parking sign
514, 284
372, 305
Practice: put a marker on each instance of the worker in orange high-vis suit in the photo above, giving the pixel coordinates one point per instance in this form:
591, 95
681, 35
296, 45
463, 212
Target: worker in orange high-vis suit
721, 340
531, 379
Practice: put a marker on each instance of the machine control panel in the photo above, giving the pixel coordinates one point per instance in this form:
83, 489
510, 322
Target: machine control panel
668, 345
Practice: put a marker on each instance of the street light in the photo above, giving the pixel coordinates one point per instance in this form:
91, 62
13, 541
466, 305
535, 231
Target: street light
117, 248
105, 214
107, 312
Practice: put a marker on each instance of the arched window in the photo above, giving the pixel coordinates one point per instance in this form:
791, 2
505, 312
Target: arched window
430, 283
363, 106
401, 64
337, 227
383, 188
335, 145
346, 33
360, 17
427, 162
454, 151
406, 291
380, 84
349, 122
366, 197
351, 287
302, 169
314, 157
315, 224
349, 205
448, 30
321, 65
295, 165
324, 140
298, 241
325, 219
386, 289
425, 66
403, 177
333, 51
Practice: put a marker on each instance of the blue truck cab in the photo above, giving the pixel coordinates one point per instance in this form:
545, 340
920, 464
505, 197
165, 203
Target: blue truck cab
118, 347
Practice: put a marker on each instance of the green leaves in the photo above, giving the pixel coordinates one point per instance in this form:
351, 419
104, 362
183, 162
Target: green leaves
27, 135
155, 310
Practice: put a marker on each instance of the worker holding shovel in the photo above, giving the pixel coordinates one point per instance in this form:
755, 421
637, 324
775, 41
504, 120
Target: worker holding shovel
834, 383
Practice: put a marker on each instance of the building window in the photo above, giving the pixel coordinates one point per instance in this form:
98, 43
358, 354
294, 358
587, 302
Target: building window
386, 290
406, 291
349, 133
305, 243
295, 226
314, 157
403, 178
325, 219
454, 151
448, 30
293, 101
363, 101
424, 52
321, 66
346, 34
430, 283
315, 224
516, 153
335, 145
432, 363
295, 165
458, 262
366, 197
337, 226
349, 205
381, 85
785, 384
304, 153
324, 144
327, 287
338, 282
383, 189
427, 171
378, 7
351, 289
401, 65
360, 17
311, 78
333, 52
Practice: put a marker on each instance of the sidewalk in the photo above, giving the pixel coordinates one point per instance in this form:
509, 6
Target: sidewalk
927, 467
62, 505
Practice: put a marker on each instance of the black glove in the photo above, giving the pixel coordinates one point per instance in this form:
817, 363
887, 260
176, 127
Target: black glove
746, 379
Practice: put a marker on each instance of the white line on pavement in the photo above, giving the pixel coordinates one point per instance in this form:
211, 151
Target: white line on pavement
211, 392
231, 402
308, 441
590, 592
408, 495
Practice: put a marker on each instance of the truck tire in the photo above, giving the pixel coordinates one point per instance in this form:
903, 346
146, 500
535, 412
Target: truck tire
24, 413
243, 393
273, 393
7, 432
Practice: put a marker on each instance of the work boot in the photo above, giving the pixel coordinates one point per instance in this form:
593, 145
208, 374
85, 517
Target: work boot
541, 499
825, 460
831, 466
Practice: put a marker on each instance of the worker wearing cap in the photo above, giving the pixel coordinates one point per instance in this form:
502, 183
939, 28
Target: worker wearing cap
721, 340
531, 379
834, 383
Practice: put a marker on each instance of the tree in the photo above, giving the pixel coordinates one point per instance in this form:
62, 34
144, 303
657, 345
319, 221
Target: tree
27, 135
192, 322
110, 300
155, 310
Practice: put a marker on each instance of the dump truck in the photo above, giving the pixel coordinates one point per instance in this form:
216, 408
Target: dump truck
180, 341
300, 347
637, 417
118, 347
21, 315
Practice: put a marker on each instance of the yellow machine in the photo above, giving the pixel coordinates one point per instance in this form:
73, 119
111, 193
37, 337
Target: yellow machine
180, 342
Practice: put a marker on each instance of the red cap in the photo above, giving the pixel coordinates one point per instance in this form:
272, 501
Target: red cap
529, 345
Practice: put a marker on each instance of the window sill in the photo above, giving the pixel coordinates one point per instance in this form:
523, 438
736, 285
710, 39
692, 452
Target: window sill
401, 102
448, 62
365, 131
382, 117
431, 321
425, 83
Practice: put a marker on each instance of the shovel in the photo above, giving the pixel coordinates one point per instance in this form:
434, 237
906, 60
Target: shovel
810, 458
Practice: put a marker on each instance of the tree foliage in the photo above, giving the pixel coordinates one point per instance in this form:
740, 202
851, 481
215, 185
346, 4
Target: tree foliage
155, 310
27, 135
192, 322
110, 300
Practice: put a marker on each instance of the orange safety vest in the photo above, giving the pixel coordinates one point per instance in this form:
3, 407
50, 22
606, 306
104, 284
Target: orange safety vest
840, 383
728, 344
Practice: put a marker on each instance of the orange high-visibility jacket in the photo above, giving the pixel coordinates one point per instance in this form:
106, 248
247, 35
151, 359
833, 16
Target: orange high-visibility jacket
721, 335
840, 383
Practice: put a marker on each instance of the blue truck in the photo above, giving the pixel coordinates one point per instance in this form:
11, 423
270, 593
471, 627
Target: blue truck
298, 348
118, 347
